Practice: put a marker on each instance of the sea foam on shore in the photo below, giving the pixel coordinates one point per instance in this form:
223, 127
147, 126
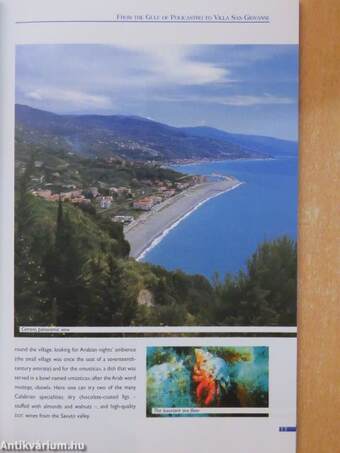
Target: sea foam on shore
164, 233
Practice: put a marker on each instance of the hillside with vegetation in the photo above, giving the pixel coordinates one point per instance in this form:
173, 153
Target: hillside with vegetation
107, 185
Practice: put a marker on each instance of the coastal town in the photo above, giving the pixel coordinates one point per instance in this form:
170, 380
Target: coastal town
122, 203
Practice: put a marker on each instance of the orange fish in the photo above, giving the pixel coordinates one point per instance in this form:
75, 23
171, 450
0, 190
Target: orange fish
211, 374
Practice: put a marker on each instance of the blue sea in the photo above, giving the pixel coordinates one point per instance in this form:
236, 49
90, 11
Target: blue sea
225, 231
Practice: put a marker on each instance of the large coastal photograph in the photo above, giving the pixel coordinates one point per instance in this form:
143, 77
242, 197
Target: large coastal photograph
156, 186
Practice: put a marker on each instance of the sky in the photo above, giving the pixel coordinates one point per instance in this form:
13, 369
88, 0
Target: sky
251, 89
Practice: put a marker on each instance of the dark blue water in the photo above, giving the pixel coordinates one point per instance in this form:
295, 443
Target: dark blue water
223, 233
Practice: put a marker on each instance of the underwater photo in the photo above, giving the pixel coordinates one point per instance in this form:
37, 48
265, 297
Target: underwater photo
210, 381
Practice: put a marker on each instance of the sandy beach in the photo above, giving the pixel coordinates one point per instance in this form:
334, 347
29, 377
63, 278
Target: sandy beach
150, 228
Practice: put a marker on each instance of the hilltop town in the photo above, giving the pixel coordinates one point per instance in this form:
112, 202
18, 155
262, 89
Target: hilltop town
113, 187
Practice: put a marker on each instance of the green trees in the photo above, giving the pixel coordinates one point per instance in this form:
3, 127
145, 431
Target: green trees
115, 231
84, 279
106, 302
30, 297
266, 293
63, 266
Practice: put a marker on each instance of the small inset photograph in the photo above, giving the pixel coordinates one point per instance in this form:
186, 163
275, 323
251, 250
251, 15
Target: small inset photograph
207, 381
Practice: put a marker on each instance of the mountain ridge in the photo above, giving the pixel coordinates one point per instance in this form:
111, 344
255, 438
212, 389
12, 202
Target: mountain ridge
133, 137
273, 145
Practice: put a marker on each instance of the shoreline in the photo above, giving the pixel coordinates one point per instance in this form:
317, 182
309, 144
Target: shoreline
152, 227
186, 162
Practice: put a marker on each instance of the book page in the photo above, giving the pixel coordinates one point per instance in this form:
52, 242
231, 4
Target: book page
150, 181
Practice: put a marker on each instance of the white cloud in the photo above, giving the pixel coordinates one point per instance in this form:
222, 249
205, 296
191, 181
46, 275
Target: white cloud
161, 66
232, 100
248, 101
173, 65
69, 98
